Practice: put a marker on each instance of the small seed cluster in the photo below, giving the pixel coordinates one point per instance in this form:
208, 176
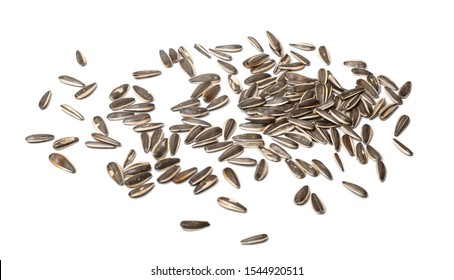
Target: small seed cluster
289, 108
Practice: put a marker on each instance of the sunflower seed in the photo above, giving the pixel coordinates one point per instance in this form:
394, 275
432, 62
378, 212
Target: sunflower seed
194, 122
256, 239
140, 107
252, 126
68, 80
121, 103
281, 152
141, 191
136, 168
317, 204
300, 58
220, 55
142, 74
184, 175
99, 145
355, 63
381, 170
292, 66
261, 170
347, 143
360, 153
193, 112
289, 143
218, 146
174, 56
185, 54
377, 108
147, 127
72, 112
105, 139
218, 102
145, 138
366, 133
137, 119
206, 183
211, 93
165, 59
296, 170
339, 162
229, 68
209, 133
209, 77
405, 90
335, 137
62, 162
180, 128
361, 72
324, 55
231, 204
119, 92
229, 48
200, 176
300, 139
117, 116
387, 82
404, 149
265, 66
65, 142
100, 125
138, 180
232, 152
322, 169
303, 46
185, 104
231, 177
116, 173
166, 163
187, 67
402, 123
393, 96
169, 174
143, 94
243, 161
355, 189
85, 91
340, 117
202, 50
268, 154
302, 196
193, 225
350, 132
255, 43
193, 133
81, 58
45, 99
245, 137
156, 136
160, 149
306, 167
174, 143
39, 138
387, 111
129, 158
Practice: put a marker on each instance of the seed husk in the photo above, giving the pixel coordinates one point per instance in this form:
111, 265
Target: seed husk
361, 72
209, 133
187, 67
138, 180
360, 153
231, 177
208, 77
99, 145
218, 102
72, 112
184, 175
81, 58
100, 125
160, 149
71, 81
387, 111
387, 82
231, 204
347, 143
141, 191
218, 146
211, 93
119, 92
195, 121
360, 191
185, 104
255, 43
322, 169
137, 119
295, 168
65, 142
355, 63
130, 157
121, 103
317, 204
339, 161
85, 91
402, 123
165, 59
300, 58
202, 50
177, 128
116, 173
372, 153
156, 136
381, 170
289, 143
261, 170
229, 68
145, 139
62, 162
245, 161
193, 112
174, 143
232, 152
169, 174
366, 133
45, 99
306, 167
268, 154
335, 137
136, 168
281, 152
143, 94
193, 133
393, 96
230, 48
220, 55
166, 163
39, 138
324, 55
105, 139
404, 149
256, 239
140, 107
147, 127
208, 182
302, 196
349, 131
193, 225
174, 56
200, 176
142, 74
185, 54
234, 84
117, 116
303, 46
405, 90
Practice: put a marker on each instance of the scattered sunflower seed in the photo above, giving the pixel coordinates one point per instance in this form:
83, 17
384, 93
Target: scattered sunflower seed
194, 225
39, 138
402, 123
231, 177
360, 191
404, 149
62, 162
256, 239
317, 204
81, 58
302, 196
231, 204
45, 99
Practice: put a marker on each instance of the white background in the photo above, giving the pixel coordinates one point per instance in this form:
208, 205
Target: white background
55, 225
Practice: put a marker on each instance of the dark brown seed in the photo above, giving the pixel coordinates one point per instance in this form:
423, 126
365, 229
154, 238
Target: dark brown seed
119, 92
117, 116
231, 177
116, 173
209, 133
256, 239
147, 127
402, 123
381, 170
62, 162
243, 161
339, 162
360, 153
143, 94
195, 121
121, 103
174, 56
85, 91
208, 77
261, 170
193, 133
211, 93
366, 133
81, 58
387, 82
129, 158
349, 131
193, 225
372, 153
281, 152
100, 125
218, 146
269, 155
140, 107
295, 168
193, 112
160, 149
156, 136
187, 67
174, 143
208, 182
137, 119
218, 102
231, 204
229, 48
184, 175
45, 99
404, 149
220, 55
405, 90
105, 139
289, 143
65, 142
138, 180
302, 196
355, 189
165, 59
322, 169
306, 167
185, 104
324, 55
200, 176
166, 163
255, 43
335, 137
232, 152
303, 46
146, 74
99, 145
169, 174
136, 168
347, 143
387, 111
317, 204
300, 58
39, 138
180, 128
355, 63
229, 68
185, 54
141, 191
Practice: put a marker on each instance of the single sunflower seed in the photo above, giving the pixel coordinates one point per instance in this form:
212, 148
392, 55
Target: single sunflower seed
119, 92
72, 112
202, 50
381, 170
62, 162
261, 170
402, 123
404, 149
317, 204
169, 174
302, 196
142, 74
141, 191
165, 59
322, 169
193, 225
358, 190
208, 182
143, 94
200, 176
45, 99
231, 204
130, 157
116, 173
100, 125
65, 142
256, 239
231, 177
39, 138
174, 143
85, 91
81, 58
138, 180
339, 161
324, 55
184, 175
71, 81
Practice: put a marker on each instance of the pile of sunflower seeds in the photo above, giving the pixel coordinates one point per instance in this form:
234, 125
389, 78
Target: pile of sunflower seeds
280, 103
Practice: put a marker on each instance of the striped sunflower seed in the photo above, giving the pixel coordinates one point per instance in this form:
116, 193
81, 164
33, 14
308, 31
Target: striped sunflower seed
117, 116
166, 163
116, 173
402, 123
218, 146
62, 162
136, 168
141, 191
99, 145
138, 119
193, 112
255, 43
130, 157
302, 196
245, 161
156, 136
322, 169
121, 103
169, 174
105, 139
200, 176
142, 74
303, 46
381, 170
218, 102
193, 102
147, 127
372, 153
324, 55
229, 48
296, 170
231, 204
339, 161
194, 225
360, 153
208, 77
174, 143
85, 91
119, 92
165, 59
160, 149
355, 63
208, 182
306, 167
231, 177
261, 170
138, 180
360, 191
187, 67
404, 149
227, 67
405, 90
100, 125
143, 94
81, 58
317, 204
256, 239
220, 55
72, 112
39, 138
65, 142
202, 50
70, 81
232, 152
45, 100
184, 175
174, 56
